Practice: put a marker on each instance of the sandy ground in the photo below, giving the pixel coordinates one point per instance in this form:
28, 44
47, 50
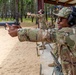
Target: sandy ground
17, 58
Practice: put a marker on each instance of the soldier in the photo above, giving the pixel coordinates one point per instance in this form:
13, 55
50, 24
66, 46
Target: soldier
64, 36
41, 24
66, 41
41, 19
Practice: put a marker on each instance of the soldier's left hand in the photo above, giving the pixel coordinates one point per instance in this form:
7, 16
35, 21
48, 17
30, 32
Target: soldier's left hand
12, 29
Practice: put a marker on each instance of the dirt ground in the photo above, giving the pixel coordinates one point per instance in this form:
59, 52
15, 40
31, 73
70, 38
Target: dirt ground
17, 58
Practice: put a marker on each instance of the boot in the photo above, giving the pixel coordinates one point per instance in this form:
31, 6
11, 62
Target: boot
52, 64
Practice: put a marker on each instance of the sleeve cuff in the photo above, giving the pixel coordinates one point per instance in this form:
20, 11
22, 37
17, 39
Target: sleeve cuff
21, 34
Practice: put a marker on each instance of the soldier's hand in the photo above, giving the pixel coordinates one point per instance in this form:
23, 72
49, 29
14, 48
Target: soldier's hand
12, 29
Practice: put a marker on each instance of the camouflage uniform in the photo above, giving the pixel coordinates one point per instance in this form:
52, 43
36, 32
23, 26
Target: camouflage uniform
66, 45
41, 20
42, 25
33, 35
66, 49
64, 38
65, 42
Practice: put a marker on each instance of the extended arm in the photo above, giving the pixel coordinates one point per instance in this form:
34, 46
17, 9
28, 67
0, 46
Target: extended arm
30, 34
33, 35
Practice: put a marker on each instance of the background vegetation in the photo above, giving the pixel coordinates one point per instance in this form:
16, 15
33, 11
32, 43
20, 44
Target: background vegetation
17, 9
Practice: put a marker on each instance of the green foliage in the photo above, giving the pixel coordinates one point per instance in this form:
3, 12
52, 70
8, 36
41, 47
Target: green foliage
8, 8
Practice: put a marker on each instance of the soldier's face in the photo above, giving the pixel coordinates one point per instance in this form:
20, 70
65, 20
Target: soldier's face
62, 22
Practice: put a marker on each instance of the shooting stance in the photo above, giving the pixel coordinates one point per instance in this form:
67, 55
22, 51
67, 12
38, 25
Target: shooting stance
64, 38
41, 25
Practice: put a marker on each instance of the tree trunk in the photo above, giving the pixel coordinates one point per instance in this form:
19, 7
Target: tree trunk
21, 11
16, 9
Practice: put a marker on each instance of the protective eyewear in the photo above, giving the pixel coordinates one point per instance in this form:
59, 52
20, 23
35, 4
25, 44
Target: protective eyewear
60, 19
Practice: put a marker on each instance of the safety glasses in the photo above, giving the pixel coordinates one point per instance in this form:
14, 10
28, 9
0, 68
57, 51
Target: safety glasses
60, 19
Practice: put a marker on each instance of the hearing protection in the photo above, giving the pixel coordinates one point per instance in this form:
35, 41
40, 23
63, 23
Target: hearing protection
72, 18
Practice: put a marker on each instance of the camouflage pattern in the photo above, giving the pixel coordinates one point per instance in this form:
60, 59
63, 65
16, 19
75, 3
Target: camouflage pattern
67, 45
33, 35
64, 48
41, 20
27, 34
64, 12
64, 39
41, 24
